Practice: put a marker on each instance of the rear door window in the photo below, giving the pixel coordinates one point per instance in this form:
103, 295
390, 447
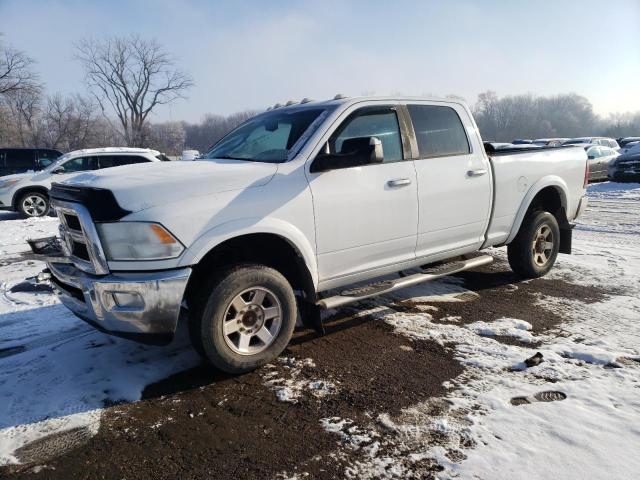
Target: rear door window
439, 131
108, 161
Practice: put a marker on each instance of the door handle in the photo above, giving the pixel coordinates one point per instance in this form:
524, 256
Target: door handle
399, 182
477, 173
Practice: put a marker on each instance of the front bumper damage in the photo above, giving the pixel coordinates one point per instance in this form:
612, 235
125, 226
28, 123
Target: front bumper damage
142, 306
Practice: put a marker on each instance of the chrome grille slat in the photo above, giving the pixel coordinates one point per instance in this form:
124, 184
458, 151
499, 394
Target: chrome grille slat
72, 215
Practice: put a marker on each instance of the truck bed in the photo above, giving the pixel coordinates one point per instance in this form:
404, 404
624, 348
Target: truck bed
518, 172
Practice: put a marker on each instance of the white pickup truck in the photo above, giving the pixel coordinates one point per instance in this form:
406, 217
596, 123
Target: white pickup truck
302, 208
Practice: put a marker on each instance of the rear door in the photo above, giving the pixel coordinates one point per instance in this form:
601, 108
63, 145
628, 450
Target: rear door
365, 216
454, 180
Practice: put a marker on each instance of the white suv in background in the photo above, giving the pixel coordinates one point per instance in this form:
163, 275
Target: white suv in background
28, 193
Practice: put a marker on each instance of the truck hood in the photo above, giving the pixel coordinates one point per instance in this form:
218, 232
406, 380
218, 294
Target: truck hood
145, 185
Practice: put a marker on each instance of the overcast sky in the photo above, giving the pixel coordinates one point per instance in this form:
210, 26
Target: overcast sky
251, 54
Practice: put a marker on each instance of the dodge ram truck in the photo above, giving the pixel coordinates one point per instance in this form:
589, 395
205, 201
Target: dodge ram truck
302, 208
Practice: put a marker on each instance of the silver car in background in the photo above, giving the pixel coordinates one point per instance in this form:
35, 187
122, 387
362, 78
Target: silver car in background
604, 141
599, 158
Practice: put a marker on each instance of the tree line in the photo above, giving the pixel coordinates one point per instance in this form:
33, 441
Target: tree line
127, 78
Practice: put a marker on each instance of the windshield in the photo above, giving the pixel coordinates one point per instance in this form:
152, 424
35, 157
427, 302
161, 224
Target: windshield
269, 137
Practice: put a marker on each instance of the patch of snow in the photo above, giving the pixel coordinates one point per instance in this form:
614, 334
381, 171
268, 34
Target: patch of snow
286, 380
510, 327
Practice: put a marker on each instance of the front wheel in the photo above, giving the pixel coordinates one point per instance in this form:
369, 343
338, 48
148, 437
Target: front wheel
535, 248
33, 204
244, 318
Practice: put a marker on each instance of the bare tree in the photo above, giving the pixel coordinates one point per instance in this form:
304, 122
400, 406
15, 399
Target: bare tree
132, 76
16, 72
25, 107
168, 137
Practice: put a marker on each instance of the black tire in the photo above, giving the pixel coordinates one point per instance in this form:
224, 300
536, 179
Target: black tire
525, 257
38, 207
212, 307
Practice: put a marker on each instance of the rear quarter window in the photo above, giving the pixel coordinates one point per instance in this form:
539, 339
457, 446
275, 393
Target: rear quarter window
439, 131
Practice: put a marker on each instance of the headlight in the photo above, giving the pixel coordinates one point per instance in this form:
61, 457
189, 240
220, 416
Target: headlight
138, 241
8, 183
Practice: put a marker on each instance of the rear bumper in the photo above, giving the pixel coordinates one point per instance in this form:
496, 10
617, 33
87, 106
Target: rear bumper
140, 306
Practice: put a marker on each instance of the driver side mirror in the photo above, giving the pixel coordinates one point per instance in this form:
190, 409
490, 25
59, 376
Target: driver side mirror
58, 170
358, 152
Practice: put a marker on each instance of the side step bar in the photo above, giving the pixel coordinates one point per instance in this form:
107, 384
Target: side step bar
360, 293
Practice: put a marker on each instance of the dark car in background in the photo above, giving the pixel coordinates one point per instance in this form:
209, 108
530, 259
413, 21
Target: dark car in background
625, 141
21, 160
626, 167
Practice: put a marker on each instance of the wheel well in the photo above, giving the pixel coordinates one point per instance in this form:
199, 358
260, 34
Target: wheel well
263, 248
22, 191
549, 199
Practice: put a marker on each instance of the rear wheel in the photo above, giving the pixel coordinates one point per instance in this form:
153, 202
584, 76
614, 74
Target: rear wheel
535, 248
244, 318
33, 204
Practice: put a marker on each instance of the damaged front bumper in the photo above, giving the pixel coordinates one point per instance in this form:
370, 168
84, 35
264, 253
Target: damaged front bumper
142, 306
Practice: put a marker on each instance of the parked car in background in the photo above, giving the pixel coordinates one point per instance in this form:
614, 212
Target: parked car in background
623, 141
627, 141
521, 141
626, 167
28, 193
189, 155
293, 209
20, 160
604, 141
599, 158
549, 142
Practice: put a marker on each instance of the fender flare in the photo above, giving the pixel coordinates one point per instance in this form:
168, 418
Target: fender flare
549, 181
254, 225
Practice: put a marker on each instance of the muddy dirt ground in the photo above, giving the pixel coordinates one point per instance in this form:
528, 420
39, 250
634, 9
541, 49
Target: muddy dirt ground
202, 424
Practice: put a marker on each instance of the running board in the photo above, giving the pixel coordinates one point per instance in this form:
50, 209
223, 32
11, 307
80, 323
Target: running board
386, 286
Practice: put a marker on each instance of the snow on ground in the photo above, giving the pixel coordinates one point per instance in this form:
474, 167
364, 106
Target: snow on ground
56, 372
593, 359
14, 231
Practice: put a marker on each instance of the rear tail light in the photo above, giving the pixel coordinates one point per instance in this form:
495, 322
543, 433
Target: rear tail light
586, 174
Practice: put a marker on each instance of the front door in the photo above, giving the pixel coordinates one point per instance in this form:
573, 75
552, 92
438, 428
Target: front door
365, 216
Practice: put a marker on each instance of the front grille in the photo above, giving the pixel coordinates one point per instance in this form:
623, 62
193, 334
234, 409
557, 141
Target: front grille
72, 222
80, 251
79, 238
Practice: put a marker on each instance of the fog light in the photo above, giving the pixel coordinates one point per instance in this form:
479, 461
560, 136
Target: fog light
127, 300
